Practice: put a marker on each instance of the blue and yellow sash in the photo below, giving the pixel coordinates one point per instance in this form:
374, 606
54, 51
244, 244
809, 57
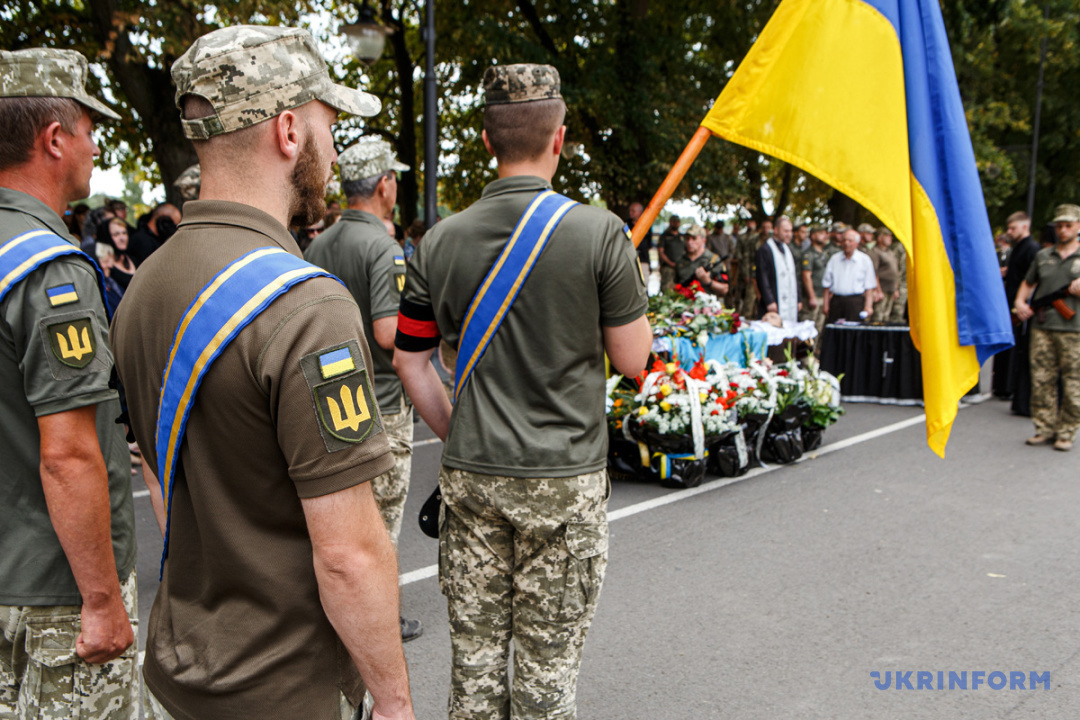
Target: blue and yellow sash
231, 300
503, 282
25, 253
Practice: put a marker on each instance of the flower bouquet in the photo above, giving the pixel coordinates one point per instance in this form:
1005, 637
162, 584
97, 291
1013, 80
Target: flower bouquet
692, 313
821, 395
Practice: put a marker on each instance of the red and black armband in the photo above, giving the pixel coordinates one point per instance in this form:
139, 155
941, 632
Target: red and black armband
416, 327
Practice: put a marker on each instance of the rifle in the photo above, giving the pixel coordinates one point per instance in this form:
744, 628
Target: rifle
1055, 299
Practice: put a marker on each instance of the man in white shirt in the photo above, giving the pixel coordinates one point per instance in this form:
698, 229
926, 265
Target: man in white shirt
849, 282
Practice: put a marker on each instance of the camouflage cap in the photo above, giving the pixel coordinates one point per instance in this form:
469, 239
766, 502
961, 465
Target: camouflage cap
250, 74
190, 182
866, 227
505, 84
838, 227
45, 72
1066, 213
367, 157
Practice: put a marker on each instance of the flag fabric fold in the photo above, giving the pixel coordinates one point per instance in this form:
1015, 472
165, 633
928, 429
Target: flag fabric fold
863, 95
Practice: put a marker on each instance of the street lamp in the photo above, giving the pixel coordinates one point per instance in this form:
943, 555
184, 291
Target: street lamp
366, 37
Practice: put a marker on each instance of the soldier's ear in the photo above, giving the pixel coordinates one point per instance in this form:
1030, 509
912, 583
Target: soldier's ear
51, 141
287, 135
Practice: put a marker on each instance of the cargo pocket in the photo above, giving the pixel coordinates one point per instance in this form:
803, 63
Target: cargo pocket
586, 546
446, 584
51, 664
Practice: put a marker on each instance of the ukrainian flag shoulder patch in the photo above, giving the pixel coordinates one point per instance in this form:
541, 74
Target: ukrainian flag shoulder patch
399, 260
336, 362
62, 295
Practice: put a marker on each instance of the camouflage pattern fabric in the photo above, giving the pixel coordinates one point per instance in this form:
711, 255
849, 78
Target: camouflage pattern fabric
45, 72
1055, 354
746, 300
900, 304
883, 308
190, 182
42, 677
667, 278
520, 83
367, 157
153, 710
253, 73
392, 487
520, 560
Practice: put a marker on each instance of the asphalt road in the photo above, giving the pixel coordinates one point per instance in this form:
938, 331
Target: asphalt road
777, 596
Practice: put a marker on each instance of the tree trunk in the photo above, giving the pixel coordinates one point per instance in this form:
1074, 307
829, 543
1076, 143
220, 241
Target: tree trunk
842, 208
149, 92
408, 188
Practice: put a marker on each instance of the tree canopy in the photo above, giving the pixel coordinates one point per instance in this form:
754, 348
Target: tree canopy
638, 77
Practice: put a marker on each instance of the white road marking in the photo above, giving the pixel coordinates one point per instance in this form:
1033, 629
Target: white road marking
432, 570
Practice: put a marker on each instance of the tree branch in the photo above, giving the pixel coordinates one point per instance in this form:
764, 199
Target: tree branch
528, 10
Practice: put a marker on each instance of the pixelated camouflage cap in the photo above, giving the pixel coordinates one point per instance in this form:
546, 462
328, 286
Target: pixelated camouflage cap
505, 84
838, 227
866, 228
190, 182
1066, 213
251, 73
45, 72
367, 157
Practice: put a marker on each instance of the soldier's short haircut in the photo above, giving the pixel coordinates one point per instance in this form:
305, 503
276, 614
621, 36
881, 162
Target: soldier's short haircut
363, 188
519, 132
1019, 216
23, 118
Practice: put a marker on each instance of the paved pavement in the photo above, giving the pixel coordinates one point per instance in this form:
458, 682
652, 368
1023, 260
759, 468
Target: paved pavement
778, 595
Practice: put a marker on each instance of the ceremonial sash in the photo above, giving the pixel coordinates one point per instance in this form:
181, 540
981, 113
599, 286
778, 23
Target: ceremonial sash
231, 300
25, 253
503, 282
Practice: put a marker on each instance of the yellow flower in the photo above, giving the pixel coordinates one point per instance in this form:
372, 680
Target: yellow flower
643, 411
704, 396
671, 368
665, 389
665, 405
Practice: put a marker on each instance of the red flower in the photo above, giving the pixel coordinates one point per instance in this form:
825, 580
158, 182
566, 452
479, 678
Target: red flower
715, 412
699, 371
783, 373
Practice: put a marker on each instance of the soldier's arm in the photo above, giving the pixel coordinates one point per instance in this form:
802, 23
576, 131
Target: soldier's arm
425, 388
76, 487
1021, 306
808, 285
385, 329
627, 346
358, 587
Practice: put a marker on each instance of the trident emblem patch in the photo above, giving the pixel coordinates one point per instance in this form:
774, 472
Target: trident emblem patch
73, 343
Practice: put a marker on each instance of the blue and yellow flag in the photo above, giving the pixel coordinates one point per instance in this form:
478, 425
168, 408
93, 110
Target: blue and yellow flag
863, 95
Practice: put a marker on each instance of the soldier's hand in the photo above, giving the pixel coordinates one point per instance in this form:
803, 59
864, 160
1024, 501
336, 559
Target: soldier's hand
106, 632
1023, 310
813, 303
1074, 287
404, 715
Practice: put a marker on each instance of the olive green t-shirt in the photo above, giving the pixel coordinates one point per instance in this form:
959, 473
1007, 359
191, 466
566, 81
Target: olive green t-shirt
237, 628
534, 406
42, 372
358, 250
1050, 272
814, 262
685, 267
674, 245
887, 267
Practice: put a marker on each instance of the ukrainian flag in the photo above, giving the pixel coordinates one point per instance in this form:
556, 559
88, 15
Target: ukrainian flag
336, 363
62, 295
863, 94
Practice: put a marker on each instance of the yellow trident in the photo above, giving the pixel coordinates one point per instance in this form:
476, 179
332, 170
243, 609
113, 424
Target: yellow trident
353, 417
75, 350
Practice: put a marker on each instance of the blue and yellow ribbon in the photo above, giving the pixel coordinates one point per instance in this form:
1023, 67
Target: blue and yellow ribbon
228, 303
503, 282
25, 253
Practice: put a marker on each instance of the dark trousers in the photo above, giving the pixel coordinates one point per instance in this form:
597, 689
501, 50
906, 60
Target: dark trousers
846, 307
1020, 370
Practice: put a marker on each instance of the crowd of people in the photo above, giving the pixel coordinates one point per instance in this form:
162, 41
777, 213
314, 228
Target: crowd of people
270, 352
844, 274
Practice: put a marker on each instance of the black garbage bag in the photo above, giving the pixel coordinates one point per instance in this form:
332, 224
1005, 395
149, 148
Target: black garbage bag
783, 442
624, 460
730, 454
679, 471
811, 437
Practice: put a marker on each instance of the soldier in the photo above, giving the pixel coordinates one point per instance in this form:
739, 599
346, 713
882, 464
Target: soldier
887, 269
523, 536
358, 250
745, 302
248, 379
1055, 339
700, 264
812, 271
899, 306
67, 536
866, 237
671, 248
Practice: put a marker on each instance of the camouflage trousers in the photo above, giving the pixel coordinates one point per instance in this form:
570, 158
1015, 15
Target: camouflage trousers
817, 315
899, 306
392, 486
1055, 355
883, 308
667, 278
521, 560
42, 677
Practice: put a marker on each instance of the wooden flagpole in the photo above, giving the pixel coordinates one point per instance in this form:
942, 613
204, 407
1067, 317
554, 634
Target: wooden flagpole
678, 172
